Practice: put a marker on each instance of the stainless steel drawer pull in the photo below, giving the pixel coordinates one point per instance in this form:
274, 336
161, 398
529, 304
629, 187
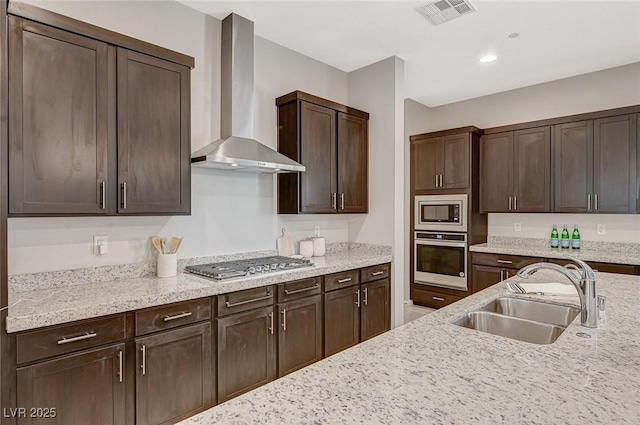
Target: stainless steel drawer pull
365, 298
515, 202
504, 261
589, 202
345, 280
436, 180
377, 273
342, 201
124, 196
144, 359
284, 319
333, 201
271, 323
438, 298
596, 201
87, 335
358, 298
440, 180
228, 304
509, 202
103, 195
297, 291
177, 316
120, 366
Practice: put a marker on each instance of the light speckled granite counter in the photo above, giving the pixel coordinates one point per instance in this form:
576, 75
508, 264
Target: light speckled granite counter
605, 252
39, 308
432, 372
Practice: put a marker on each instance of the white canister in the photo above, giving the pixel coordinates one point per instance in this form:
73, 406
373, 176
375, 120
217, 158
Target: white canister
167, 265
306, 248
318, 247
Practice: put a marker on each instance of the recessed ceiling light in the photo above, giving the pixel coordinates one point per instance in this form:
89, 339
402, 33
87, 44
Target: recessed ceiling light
488, 58
514, 35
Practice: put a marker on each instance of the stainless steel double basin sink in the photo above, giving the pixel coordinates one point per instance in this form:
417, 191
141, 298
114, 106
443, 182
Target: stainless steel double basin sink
522, 319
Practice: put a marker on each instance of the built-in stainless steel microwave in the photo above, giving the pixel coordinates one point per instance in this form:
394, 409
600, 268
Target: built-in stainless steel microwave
446, 213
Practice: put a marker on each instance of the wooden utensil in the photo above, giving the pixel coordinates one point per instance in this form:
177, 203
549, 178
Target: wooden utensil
157, 244
163, 244
175, 244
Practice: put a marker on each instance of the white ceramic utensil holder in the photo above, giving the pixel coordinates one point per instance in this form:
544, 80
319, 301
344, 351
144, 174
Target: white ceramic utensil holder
306, 248
319, 248
167, 265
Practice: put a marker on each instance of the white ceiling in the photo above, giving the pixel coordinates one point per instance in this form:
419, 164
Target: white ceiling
558, 39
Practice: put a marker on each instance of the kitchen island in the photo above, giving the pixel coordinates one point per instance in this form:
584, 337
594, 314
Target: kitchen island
430, 371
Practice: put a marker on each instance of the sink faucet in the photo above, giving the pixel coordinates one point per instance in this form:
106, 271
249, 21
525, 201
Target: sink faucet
585, 283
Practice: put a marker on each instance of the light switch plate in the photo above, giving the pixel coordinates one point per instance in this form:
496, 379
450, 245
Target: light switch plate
517, 227
601, 229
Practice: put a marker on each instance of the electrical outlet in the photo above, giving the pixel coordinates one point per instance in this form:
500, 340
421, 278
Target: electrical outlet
517, 227
100, 245
601, 229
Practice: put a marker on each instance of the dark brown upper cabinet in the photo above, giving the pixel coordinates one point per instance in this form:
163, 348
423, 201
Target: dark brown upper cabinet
441, 162
94, 128
331, 141
596, 165
515, 171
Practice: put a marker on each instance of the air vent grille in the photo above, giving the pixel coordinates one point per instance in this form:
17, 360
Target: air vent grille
441, 11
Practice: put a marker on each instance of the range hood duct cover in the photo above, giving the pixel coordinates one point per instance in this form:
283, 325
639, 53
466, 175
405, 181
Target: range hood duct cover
236, 149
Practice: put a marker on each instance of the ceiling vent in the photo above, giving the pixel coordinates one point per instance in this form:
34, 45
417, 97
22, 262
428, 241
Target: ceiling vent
441, 11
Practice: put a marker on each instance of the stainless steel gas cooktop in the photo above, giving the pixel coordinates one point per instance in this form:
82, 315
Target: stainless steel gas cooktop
252, 266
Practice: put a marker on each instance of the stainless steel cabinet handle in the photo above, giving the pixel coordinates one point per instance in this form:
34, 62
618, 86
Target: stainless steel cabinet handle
436, 180
177, 316
297, 291
284, 319
515, 202
124, 195
365, 298
103, 195
438, 298
506, 273
377, 273
333, 201
144, 359
342, 201
271, 323
509, 202
86, 335
228, 304
504, 261
596, 201
120, 366
589, 202
348, 279
501, 275
358, 298
440, 180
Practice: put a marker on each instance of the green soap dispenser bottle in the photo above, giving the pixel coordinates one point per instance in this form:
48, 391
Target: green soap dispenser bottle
575, 238
564, 243
555, 237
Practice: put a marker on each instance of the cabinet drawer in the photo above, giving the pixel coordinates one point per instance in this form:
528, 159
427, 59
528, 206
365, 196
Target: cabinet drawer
341, 280
374, 273
433, 299
170, 316
299, 288
506, 261
45, 343
248, 299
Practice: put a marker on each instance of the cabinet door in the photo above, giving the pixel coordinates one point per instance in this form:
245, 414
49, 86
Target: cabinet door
375, 310
424, 163
300, 334
353, 158
246, 352
173, 378
573, 153
615, 162
84, 388
318, 153
483, 277
341, 319
496, 170
455, 165
57, 121
154, 155
532, 170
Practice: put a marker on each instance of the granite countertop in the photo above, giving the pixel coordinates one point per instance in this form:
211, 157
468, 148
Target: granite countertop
430, 371
603, 252
62, 304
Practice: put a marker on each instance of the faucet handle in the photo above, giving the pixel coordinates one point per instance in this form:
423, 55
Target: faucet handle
601, 302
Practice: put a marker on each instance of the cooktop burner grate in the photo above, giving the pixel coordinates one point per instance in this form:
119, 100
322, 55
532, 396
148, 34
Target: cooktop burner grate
252, 266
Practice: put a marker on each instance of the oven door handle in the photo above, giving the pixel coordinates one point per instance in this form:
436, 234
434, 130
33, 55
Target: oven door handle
440, 243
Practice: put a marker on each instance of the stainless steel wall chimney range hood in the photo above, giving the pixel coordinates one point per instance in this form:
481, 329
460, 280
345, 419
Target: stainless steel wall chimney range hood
236, 149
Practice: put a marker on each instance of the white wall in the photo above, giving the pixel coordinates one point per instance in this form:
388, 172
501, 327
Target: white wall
379, 90
231, 212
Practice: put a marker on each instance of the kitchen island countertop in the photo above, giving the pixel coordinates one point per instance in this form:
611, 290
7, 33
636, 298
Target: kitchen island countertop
430, 371
40, 308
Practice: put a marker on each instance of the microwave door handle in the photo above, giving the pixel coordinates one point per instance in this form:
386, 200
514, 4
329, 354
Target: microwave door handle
438, 243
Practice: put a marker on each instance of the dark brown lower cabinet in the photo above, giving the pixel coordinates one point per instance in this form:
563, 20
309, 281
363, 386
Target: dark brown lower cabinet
483, 277
83, 388
300, 334
375, 311
341, 319
246, 352
173, 378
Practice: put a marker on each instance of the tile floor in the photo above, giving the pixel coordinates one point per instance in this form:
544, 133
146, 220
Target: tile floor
413, 312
